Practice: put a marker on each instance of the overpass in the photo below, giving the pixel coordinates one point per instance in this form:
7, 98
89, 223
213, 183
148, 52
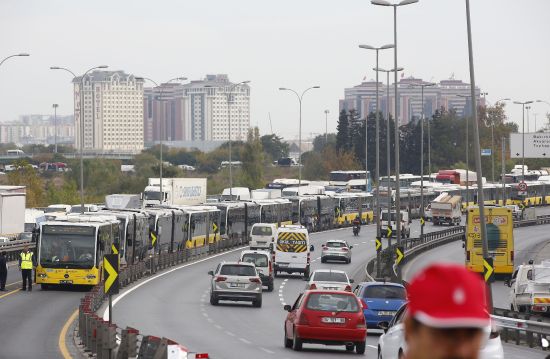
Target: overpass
7, 159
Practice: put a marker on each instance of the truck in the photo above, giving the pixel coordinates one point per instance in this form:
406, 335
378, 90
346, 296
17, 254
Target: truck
405, 222
12, 214
457, 176
446, 209
176, 191
530, 288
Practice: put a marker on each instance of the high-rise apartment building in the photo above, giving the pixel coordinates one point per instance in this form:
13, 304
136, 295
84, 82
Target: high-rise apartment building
38, 130
113, 111
448, 94
197, 112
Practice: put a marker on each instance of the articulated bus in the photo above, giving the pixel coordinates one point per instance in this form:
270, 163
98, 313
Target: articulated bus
236, 219
276, 211
500, 239
342, 178
348, 206
70, 251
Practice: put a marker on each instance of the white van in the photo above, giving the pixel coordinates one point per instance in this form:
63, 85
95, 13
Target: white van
264, 265
262, 235
292, 251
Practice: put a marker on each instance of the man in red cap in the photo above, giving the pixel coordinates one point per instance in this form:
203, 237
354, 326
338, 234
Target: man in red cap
447, 314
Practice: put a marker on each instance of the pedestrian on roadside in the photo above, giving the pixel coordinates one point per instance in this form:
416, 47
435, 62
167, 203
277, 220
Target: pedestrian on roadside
447, 314
3, 271
26, 263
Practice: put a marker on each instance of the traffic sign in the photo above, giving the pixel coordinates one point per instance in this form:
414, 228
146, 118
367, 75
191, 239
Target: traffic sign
378, 244
114, 248
388, 232
110, 273
422, 221
488, 269
485, 151
522, 186
214, 227
154, 237
399, 255
537, 145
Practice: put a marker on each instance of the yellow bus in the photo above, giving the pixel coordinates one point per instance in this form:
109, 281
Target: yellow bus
500, 239
71, 251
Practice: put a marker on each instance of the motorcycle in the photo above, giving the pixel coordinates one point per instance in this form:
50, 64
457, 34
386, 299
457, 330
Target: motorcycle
356, 229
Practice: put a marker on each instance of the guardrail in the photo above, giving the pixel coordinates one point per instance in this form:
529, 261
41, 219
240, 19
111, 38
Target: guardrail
13, 248
515, 328
103, 340
544, 219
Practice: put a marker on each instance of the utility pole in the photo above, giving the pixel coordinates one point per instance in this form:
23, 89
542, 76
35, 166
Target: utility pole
55, 126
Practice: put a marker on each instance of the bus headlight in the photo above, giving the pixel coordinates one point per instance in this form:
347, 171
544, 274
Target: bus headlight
43, 275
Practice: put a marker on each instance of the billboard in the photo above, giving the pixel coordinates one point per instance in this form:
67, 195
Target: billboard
537, 145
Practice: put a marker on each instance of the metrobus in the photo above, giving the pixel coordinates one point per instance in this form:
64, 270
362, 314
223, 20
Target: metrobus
315, 212
405, 180
276, 211
342, 178
202, 227
236, 219
500, 239
347, 206
71, 250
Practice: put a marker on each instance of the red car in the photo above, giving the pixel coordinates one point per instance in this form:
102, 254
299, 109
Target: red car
326, 317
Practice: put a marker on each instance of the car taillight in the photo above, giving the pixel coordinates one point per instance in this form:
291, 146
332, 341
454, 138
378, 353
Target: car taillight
494, 334
312, 286
512, 256
345, 249
308, 257
467, 255
221, 279
270, 267
364, 304
361, 322
348, 288
255, 280
302, 319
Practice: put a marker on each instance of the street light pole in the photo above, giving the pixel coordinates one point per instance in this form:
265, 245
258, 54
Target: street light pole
300, 98
468, 148
523, 137
55, 126
81, 124
161, 130
528, 108
326, 127
422, 206
16, 55
388, 154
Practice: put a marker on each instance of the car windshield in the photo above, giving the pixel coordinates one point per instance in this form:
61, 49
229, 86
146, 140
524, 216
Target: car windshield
385, 216
261, 231
336, 244
151, 195
259, 260
62, 246
385, 292
238, 270
332, 302
330, 277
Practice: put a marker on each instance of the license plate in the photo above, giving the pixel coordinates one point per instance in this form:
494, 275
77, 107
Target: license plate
330, 288
65, 282
236, 285
330, 320
283, 264
386, 313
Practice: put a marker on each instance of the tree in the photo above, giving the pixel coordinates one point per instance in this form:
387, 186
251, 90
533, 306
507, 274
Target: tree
274, 147
24, 175
252, 159
320, 142
342, 134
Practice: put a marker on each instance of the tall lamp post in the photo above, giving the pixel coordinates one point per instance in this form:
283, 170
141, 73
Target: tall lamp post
326, 127
229, 100
528, 108
422, 86
55, 106
15, 55
523, 137
377, 174
468, 150
300, 98
161, 130
81, 119
397, 187
388, 153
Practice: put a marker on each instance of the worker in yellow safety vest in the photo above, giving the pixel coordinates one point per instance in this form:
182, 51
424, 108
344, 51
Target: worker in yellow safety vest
26, 262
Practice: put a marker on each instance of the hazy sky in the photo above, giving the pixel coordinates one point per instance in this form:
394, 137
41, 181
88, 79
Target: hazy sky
284, 43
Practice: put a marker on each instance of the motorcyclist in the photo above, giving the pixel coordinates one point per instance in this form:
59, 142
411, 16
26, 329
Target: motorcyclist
357, 224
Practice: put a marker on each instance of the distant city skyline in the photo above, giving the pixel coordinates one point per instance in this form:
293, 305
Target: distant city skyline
282, 44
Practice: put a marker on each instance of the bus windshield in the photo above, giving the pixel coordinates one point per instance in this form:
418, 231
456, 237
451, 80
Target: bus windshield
62, 246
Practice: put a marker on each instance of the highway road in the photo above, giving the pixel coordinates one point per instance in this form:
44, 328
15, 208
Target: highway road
176, 306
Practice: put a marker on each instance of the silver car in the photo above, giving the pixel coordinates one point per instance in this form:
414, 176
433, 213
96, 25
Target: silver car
236, 281
336, 249
328, 279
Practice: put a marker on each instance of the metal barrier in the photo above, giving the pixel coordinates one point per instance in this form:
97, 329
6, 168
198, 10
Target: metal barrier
103, 340
544, 219
520, 331
13, 248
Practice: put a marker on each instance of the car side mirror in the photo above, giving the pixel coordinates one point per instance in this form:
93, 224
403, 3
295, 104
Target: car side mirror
384, 326
288, 308
211, 273
351, 281
350, 247
312, 248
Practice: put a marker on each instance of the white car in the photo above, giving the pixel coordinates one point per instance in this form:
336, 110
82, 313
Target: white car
392, 343
328, 279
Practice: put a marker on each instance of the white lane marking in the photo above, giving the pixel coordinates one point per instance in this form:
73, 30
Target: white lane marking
209, 320
218, 326
244, 341
230, 334
267, 350
130, 290
372, 346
